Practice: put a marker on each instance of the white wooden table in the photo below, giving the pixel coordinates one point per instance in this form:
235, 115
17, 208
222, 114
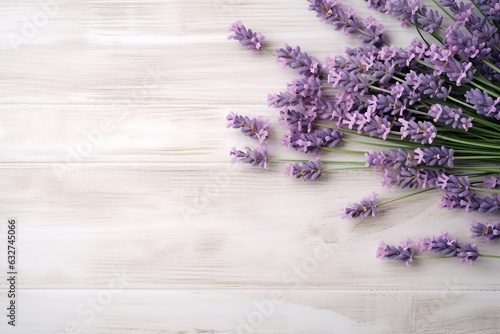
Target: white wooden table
114, 161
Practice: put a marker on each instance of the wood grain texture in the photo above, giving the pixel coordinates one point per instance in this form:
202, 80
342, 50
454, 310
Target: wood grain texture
259, 311
114, 161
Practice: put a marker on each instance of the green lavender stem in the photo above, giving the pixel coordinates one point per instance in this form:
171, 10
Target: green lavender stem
490, 256
406, 196
491, 191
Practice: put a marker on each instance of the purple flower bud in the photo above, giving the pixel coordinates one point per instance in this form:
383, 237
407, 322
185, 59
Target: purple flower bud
483, 103
478, 229
443, 244
254, 128
490, 231
459, 186
376, 126
294, 58
491, 182
311, 142
403, 253
407, 177
329, 137
431, 21
255, 157
306, 87
468, 253
420, 132
450, 116
297, 119
468, 203
459, 72
489, 204
247, 38
434, 156
367, 207
308, 171
432, 86
384, 72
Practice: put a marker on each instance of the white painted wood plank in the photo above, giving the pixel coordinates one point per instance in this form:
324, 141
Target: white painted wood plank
255, 311
157, 201
136, 133
128, 133
192, 225
98, 51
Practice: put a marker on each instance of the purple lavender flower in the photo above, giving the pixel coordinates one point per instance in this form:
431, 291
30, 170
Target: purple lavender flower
376, 126
478, 229
307, 171
416, 50
312, 142
483, 103
306, 87
296, 59
282, 99
420, 132
375, 159
459, 72
443, 244
450, 116
367, 207
433, 87
329, 137
468, 203
431, 21
491, 182
459, 186
490, 231
434, 156
254, 128
247, 38
352, 82
466, 46
489, 204
297, 119
255, 157
403, 253
407, 177
401, 10
384, 72
468, 253
374, 33
331, 12
397, 159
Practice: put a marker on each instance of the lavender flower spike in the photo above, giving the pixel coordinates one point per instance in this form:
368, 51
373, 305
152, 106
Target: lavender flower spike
420, 132
308, 171
434, 156
450, 116
403, 253
251, 40
442, 245
367, 207
490, 231
468, 253
255, 157
254, 128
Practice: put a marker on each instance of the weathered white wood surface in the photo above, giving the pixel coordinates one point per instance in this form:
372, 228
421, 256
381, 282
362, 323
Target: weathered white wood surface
114, 160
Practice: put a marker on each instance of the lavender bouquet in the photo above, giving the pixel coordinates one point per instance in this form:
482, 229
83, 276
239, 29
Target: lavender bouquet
430, 111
